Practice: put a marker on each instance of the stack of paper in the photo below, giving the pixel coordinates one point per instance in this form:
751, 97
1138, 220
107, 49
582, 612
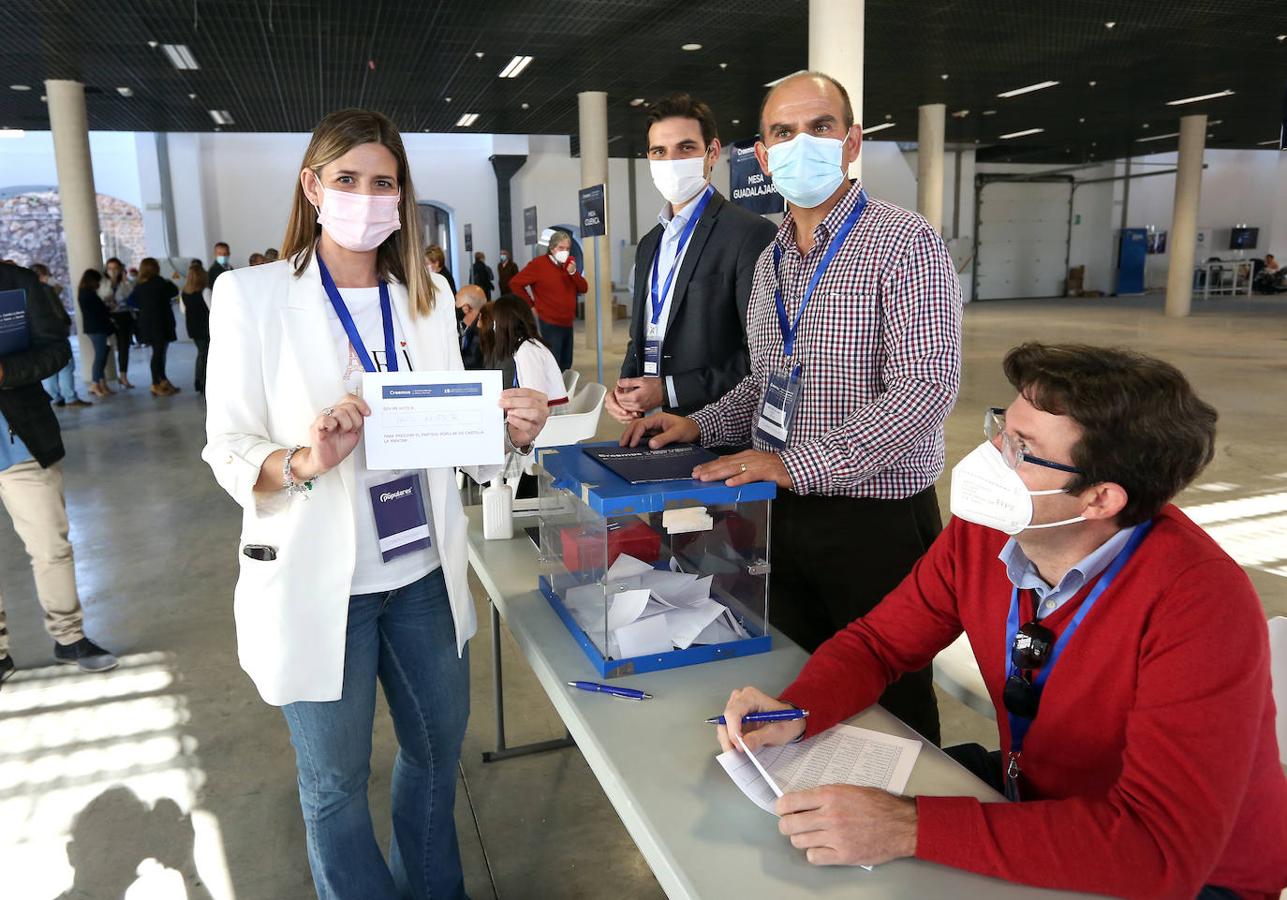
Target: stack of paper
650, 611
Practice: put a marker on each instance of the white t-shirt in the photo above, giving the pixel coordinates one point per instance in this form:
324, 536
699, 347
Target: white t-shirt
538, 371
372, 574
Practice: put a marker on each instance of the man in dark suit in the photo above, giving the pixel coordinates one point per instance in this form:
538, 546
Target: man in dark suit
222, 262
692, 275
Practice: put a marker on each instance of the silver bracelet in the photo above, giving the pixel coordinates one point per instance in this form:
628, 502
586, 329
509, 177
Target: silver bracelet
289, 483
509, 442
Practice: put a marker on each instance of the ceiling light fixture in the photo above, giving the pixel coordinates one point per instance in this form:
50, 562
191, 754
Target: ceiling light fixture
638, 101
152, 44
1092, 83
1200, 97
960, 114
446, 99
479, 55
1156, 137
192, 96
527, 106
881, 127
723, 65
12, 133
943, 76
19, 87
691, 47
1039, 86
1019, 134
989, 112
737, 121
220, 116
125, 92
466, 120
515, 67
1110, 25
180, 56
1282, 37
775, 82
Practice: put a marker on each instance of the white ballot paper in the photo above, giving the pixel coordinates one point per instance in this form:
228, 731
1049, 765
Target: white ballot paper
430, 420
843, 754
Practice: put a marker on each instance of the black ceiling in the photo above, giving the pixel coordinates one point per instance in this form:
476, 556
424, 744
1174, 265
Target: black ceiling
278, 65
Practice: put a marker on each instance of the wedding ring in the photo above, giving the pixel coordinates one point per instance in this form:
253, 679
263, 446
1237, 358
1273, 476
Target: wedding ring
743, 468
329, 411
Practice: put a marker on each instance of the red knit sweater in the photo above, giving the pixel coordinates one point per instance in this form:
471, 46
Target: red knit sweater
554, 288
1152, 768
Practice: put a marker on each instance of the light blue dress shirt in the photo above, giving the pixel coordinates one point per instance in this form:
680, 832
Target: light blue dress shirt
12, 451
1023, 574
673, 225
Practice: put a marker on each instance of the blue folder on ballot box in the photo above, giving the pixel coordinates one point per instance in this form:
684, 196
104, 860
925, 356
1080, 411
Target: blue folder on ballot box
650, 574
14, 336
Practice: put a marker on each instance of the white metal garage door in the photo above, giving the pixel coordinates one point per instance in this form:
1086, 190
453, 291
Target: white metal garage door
1023, 239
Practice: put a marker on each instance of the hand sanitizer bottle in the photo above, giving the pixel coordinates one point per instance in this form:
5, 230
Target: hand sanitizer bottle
498, 511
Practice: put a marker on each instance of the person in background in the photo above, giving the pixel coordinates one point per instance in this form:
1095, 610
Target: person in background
31, 480
325, 608
482, 274
1271, 264
115, 291
510, 342
847, 395
551, 284
506, 270
469, 302
256, 259
153, 297
1125, 652
222, 262
271, 255
692, 275
437, 261
61, 386
196, 311
96, 323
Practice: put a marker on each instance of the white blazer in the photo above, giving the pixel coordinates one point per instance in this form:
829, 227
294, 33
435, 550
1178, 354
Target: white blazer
272, 368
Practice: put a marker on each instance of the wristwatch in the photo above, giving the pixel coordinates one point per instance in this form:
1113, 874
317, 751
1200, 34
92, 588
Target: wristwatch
525, 450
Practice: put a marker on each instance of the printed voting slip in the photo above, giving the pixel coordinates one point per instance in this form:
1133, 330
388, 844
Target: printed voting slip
430, 420
643, 465
13, 322
843, 754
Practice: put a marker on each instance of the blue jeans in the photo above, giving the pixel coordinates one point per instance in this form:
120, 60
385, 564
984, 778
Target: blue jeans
62, 384
559, 339
100, 355
406, 638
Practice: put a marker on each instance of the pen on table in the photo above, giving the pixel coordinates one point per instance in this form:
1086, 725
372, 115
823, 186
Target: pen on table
776, 715
623, 692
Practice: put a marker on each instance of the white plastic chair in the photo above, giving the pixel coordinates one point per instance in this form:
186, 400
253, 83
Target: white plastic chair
1278, 674
957, 672
571, 377
579, 422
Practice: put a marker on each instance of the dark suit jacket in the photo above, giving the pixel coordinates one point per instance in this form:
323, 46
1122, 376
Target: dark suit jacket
471, 348
705, 347
23, 402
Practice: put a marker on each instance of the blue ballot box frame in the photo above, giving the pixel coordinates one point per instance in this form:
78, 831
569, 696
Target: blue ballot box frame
608, 494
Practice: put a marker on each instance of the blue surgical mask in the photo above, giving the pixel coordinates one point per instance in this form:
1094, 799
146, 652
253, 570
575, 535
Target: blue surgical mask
221, 260
806, 170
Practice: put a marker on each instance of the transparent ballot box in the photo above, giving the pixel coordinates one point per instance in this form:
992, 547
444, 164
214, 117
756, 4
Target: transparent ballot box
656, 575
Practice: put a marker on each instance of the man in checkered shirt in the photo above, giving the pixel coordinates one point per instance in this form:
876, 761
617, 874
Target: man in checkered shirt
879, 353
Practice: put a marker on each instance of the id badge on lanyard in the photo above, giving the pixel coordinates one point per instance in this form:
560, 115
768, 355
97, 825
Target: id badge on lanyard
777, 410
652, 352
782, 393
398, 507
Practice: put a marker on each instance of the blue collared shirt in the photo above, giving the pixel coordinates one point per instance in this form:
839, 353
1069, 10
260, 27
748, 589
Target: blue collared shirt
11, 453
1023, 574
673, 225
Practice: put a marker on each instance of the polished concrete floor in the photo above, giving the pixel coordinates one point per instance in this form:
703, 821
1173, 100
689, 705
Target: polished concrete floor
170, 778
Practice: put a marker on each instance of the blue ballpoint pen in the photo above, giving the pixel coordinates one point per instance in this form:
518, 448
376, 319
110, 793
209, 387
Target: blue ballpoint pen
777, 715
624, 693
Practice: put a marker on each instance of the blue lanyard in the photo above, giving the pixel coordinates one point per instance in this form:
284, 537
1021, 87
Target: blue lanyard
1018, 724
659, 300
350, 327
833, 247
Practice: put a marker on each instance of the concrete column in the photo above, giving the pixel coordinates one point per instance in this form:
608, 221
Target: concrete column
593, 132
76, 192
836, 48
1184, 214
929, 163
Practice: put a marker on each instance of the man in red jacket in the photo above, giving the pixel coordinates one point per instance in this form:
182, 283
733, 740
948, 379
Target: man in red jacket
1126, 655
554, 283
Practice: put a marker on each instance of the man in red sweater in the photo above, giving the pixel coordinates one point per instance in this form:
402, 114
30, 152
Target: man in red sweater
554, 283
1125, 652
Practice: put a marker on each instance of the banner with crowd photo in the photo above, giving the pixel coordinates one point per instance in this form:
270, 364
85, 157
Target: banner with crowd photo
749, 187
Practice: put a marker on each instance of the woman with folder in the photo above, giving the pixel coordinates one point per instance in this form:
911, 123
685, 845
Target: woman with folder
349, 576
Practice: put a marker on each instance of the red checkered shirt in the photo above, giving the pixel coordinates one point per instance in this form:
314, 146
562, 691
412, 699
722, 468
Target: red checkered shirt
880, 347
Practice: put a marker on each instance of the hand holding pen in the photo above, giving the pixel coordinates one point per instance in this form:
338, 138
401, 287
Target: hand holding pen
745, 715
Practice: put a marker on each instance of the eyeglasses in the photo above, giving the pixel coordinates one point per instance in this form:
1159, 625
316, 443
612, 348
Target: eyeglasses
1031, 649
1011, 451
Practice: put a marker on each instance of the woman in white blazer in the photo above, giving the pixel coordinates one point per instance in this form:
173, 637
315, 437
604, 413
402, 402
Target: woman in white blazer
329, 600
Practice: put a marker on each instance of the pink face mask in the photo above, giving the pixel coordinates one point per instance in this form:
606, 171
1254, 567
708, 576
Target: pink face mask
358, 222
